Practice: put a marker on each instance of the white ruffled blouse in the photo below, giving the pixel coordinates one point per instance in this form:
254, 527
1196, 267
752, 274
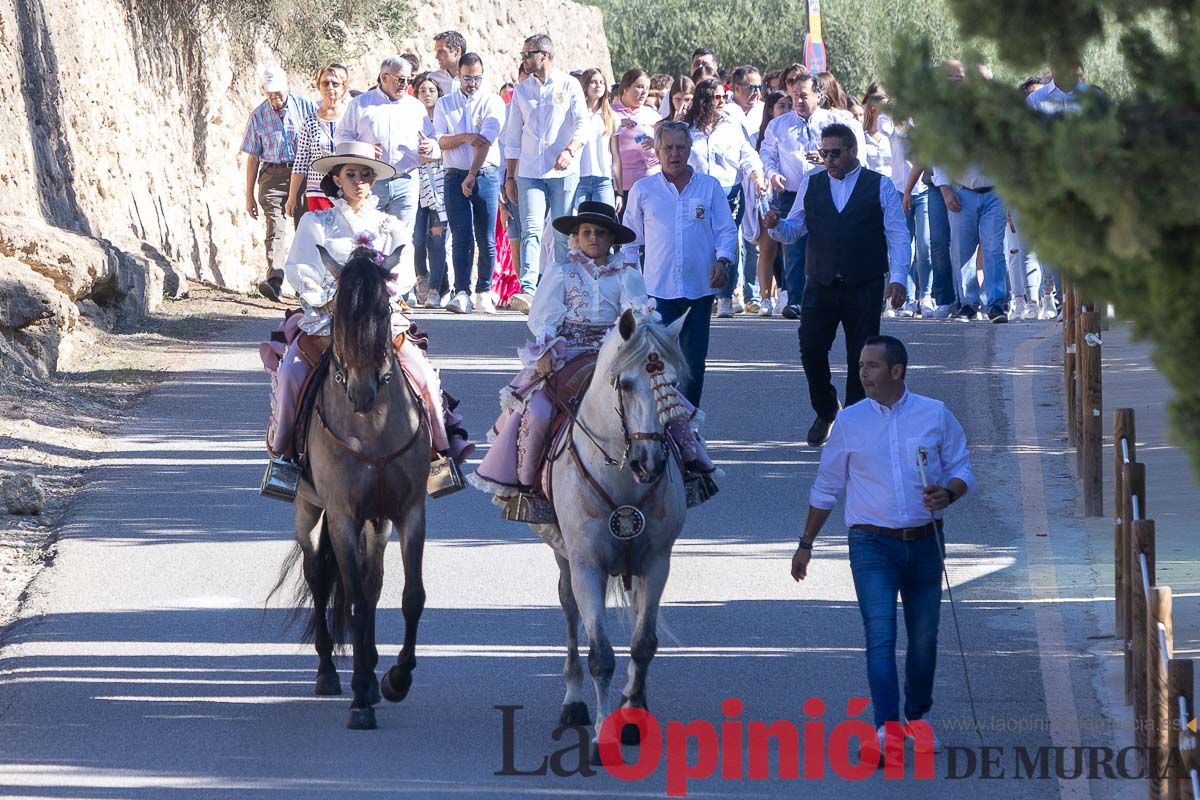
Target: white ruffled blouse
583, 292
339, 230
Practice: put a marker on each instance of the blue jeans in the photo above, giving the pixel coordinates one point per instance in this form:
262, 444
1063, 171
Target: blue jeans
748, 270
596, 188
980, 223
693, 339
429, 249
476, 214
945, 291
793, 254
883, 566
399, 197
920, 285
535, 195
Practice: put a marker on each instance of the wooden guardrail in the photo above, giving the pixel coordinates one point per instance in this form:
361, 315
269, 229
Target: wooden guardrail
1160, 688
1084, 395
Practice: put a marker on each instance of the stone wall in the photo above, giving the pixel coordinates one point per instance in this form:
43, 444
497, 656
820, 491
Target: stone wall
121, 132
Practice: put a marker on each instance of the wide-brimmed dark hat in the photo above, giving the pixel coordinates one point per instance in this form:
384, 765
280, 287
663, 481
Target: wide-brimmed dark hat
597, 214
358, 153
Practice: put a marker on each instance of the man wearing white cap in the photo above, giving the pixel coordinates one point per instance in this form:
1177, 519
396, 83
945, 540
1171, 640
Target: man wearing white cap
270, 147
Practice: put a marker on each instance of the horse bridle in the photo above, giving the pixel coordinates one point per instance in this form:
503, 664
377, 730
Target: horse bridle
339, 370
654, 366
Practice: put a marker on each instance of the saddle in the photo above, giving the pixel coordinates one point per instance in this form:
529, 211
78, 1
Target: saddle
314, 350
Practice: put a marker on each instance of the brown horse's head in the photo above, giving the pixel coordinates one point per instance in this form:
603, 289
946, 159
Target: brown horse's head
362, 329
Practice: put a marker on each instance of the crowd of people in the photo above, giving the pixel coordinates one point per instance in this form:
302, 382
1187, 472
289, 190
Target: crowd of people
484, 166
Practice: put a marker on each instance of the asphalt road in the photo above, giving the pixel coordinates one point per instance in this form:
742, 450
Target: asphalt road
145, 664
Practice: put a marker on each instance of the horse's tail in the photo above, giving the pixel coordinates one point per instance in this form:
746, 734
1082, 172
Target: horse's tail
339, 613
621, 600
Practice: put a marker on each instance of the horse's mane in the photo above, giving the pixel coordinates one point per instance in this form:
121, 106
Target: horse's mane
647, 337
362, 315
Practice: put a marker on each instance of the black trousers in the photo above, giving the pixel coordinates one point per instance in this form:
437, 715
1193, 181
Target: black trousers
856, 309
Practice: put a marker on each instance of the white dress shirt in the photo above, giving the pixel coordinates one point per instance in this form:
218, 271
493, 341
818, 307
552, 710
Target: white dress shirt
374, 118
789, 138
879, 154
895, 227
543, 118
749, 121
872, 456
901, 165
725, 154
684, 233
973, 178
482, 113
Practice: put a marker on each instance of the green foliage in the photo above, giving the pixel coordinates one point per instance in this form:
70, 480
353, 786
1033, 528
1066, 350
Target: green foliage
1100, 193
308, 34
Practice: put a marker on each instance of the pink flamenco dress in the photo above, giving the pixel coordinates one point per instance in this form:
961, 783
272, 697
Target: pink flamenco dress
577, 303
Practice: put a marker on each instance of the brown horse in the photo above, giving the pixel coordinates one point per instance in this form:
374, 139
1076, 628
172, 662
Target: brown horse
368, 466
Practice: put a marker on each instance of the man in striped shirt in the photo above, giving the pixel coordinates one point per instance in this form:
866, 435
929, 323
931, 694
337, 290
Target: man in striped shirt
270, 147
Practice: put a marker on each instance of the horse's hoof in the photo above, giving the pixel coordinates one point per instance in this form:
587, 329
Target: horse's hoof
328, 684
395, 684
631, 735
373, 696
575, 714
361, 719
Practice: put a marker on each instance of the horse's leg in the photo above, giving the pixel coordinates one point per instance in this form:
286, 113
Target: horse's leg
398, 680
588, 584
644, 642
375, 542
574, 710
320, 572
344, 535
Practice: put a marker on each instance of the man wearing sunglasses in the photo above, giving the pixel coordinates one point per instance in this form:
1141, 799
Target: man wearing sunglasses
747, 106
392, 120
857, 234
542, 139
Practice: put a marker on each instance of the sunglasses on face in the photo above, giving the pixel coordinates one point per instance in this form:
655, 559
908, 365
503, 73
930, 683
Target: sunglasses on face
752, 87
530, 53
835, 152
401, 80
471, 80
329, 82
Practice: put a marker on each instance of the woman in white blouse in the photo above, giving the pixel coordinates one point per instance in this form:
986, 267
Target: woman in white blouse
353, 222
599, 148
577, 303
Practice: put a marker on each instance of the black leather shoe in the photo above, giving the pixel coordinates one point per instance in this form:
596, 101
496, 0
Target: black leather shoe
790, 311
271, 289
818, 434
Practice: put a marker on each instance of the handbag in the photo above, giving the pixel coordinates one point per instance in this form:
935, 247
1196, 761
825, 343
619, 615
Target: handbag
445, 477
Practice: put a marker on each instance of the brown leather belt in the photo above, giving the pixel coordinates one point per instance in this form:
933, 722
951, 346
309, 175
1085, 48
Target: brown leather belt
980, 190
903, 534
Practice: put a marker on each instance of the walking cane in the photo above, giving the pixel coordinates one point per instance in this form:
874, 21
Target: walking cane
939, 530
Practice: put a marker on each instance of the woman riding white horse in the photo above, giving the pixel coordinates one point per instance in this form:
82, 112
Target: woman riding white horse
577, 303
324, 240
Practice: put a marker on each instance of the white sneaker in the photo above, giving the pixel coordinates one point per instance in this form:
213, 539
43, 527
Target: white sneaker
943, 312
737, 307
520, 302
908, 310
766, 309
484, 304
926, 307
1047, 309
1028, 310
724, 308
447, 298
781, 299
889, 312
461, 304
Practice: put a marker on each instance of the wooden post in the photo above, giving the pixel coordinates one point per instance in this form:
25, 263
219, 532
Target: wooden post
1080, 304
1069, 361
1091, 440
1134, 480
1158, 711
1123, 427
1180, 677
1143, 544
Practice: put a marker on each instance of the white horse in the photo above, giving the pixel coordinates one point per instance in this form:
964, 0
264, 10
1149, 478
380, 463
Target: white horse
619, 497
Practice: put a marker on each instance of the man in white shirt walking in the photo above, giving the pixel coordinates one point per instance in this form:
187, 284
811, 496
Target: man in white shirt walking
448, 48
682, 218
392, 120
542, 139
896, 545
467, 123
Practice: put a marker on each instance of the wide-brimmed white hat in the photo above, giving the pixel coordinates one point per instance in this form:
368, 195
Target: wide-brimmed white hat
359, 153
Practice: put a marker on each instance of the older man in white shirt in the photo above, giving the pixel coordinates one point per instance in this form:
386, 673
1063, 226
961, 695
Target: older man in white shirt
467, 123
542, 140
893, 512
392, 120
682, 219
789, 152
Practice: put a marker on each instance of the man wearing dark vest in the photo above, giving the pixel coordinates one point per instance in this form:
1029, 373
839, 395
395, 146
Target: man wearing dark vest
856, 236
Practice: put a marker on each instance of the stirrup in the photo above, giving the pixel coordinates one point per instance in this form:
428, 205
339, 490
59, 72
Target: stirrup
281, 480
445, 477
699, 488
529, 507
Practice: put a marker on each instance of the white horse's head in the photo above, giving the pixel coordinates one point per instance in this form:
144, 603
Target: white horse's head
638, 357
